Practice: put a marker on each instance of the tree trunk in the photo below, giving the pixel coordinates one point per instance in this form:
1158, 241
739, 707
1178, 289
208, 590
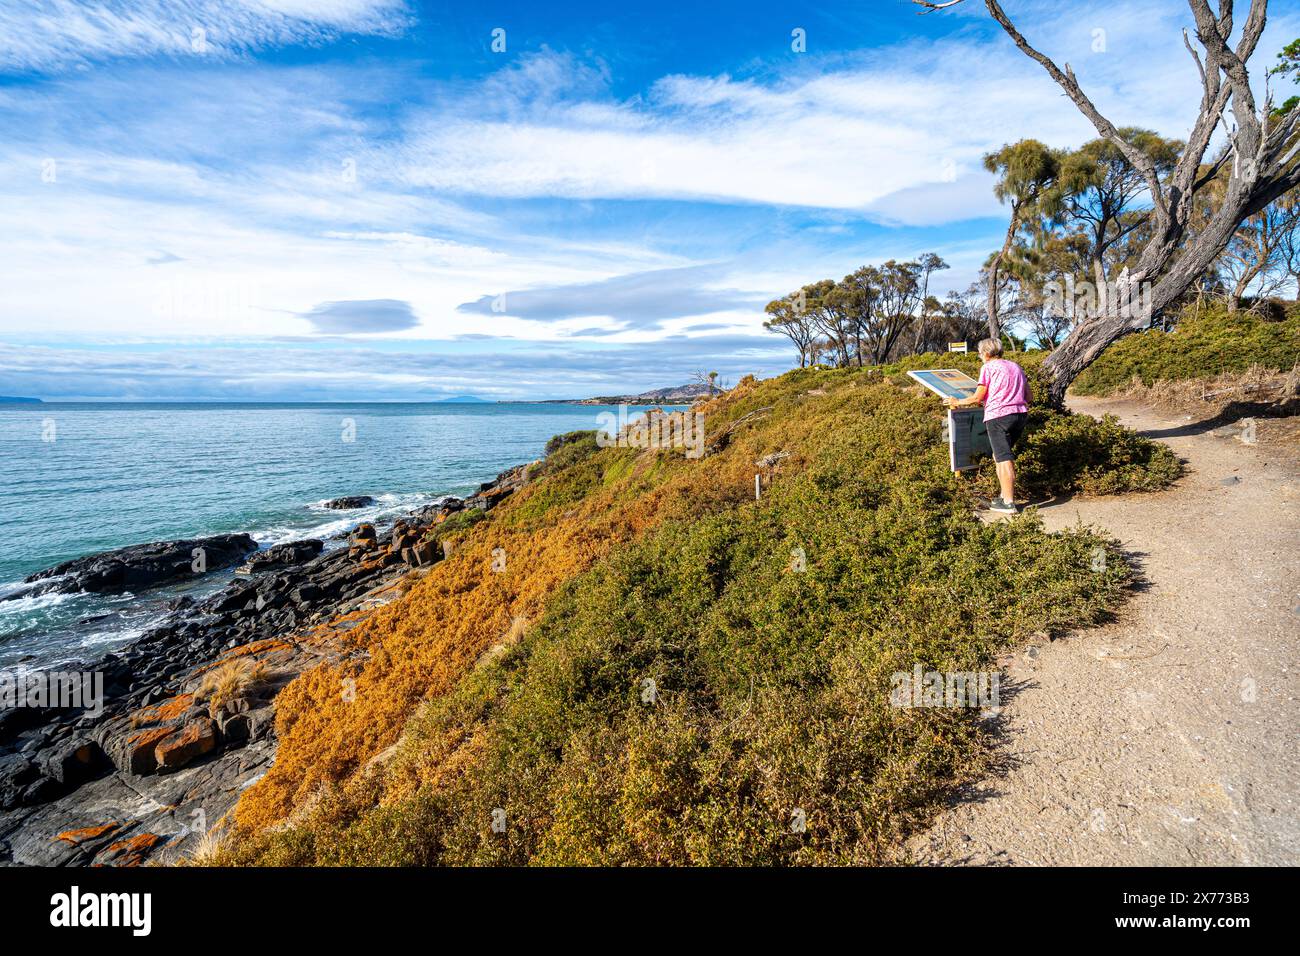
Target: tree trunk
1090, 337
995, 330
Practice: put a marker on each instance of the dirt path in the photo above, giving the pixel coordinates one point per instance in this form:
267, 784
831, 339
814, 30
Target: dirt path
1168, 737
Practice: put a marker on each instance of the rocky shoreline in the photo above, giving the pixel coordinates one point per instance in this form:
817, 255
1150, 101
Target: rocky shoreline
183, 720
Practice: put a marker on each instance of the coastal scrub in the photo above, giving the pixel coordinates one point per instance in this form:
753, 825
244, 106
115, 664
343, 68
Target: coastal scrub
634, 661
1197, 348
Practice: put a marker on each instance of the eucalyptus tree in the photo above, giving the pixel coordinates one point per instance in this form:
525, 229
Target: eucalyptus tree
789, 317
832, 318
856, 297
1259, 258
899, 300
963, 315
923, 327
1262, 163
1027, 174
1101, 189
1047, 274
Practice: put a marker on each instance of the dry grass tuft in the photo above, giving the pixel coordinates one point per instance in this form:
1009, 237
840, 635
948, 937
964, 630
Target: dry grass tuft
235, 678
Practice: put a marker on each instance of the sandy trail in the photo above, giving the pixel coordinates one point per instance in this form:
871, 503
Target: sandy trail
1169, 736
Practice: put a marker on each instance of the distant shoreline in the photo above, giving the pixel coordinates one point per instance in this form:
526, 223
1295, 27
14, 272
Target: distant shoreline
681, 395
604, 402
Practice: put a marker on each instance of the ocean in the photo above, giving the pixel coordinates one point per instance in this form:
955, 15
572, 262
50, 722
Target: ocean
86, 477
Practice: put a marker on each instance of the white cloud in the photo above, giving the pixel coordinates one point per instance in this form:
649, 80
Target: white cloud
897, 133
77, 261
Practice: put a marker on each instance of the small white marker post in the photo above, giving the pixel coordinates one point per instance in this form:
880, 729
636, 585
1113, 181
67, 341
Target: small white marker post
758, 484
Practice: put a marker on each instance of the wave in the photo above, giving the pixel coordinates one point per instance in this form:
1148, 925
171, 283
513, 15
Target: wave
54, 628
31, 603
326, 524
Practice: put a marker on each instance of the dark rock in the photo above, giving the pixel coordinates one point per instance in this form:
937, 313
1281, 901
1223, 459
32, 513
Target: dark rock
350, 502
161, 753
291, 552
43, 790
234, 728
403, 537
16, 772
74, 761
135, 751
260, 722
305, 594
422, 553
196, 739
233, 597
142, 565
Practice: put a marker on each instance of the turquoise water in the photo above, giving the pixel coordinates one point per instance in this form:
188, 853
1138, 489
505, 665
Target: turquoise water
81, 478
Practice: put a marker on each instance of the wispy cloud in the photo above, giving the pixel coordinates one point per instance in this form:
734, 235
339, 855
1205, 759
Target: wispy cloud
46, 35
869, 134
639, 300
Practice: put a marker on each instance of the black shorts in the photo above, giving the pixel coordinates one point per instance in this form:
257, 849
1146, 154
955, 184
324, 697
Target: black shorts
1004, 432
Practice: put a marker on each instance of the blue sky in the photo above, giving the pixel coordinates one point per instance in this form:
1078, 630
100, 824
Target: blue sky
362, 199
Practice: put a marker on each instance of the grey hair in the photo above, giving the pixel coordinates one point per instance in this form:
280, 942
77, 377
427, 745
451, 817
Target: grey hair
990, 347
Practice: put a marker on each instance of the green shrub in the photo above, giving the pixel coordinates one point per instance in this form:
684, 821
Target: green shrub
1064, 453
454, 523
573, 471
1197, 348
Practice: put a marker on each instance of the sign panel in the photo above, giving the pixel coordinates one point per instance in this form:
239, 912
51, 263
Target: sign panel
957, 347
967, 437
946, 382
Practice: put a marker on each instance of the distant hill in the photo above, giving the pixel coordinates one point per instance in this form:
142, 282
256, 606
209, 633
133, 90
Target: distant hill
10, 398
675, 395
465, 400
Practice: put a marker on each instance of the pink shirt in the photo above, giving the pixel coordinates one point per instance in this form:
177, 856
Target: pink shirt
1008, 392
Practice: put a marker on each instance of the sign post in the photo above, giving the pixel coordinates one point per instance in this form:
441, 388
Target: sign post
966, 434
967, 438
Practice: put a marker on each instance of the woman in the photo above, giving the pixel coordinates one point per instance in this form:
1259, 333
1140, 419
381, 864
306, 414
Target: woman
1004, 392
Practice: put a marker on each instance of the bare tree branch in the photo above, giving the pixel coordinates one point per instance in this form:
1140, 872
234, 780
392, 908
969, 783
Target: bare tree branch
1066, 80
931, 7
1196, 57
